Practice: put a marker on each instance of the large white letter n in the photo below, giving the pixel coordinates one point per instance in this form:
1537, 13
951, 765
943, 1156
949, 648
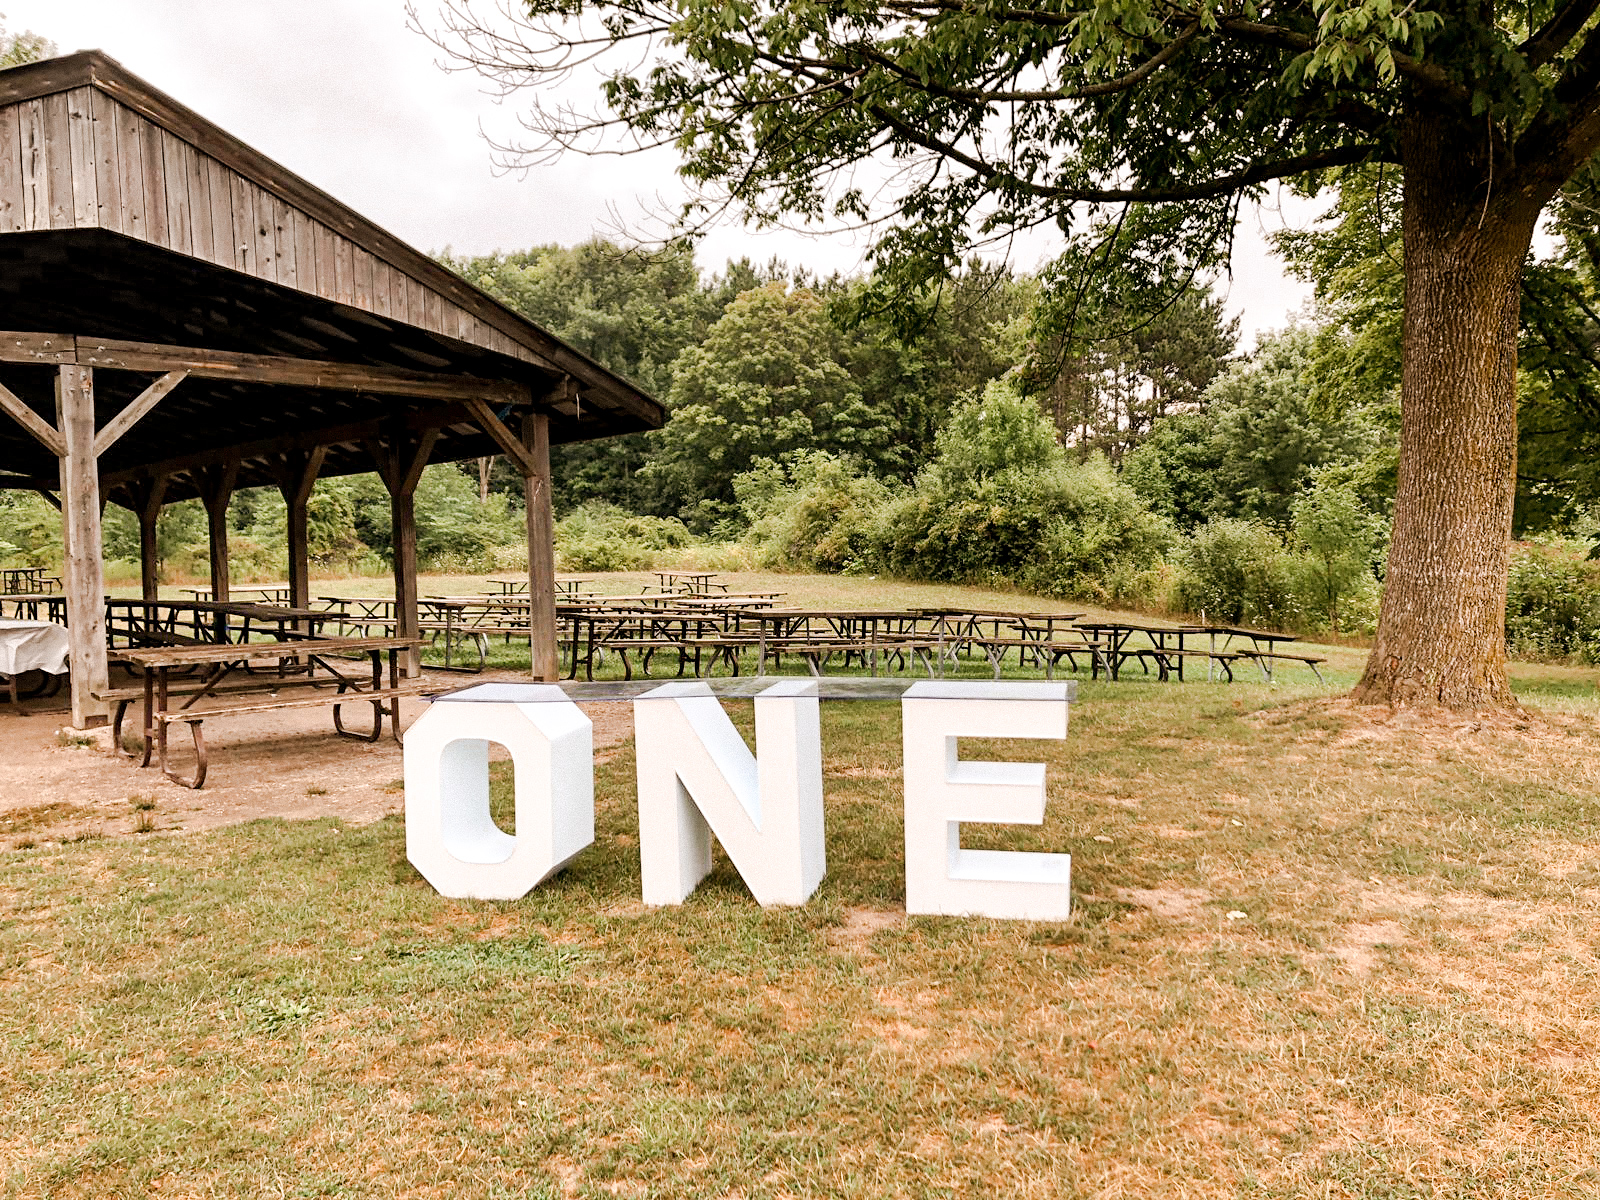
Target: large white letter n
697, 778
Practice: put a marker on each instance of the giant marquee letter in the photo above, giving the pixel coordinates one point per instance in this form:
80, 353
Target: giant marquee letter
450, 836
942, 791
697, 778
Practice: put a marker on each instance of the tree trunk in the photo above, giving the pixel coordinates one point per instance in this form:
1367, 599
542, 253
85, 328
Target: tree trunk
1441, 628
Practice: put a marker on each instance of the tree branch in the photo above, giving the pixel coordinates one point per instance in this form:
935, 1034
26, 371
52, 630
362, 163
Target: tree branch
1210, 189
1423, 74
1560, 29
1106, 88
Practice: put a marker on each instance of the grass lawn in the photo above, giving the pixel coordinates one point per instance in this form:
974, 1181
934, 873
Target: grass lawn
1314, 954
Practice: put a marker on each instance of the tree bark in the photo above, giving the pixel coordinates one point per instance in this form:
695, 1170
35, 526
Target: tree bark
1441, 627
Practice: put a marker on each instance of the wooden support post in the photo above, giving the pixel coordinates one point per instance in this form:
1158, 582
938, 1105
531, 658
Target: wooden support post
403, 531
83, 572
400, 460
297, 475
216, 489
545, 654
147, 507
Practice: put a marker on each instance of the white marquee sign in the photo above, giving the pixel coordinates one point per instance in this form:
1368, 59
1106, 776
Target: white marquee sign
697, 778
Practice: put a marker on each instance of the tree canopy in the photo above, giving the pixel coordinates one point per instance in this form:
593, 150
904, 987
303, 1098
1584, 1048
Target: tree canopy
1135, 128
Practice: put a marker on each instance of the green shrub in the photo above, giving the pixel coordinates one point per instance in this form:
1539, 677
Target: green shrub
30, 530
1552, 604
1338, 541
1069, 530
1236, 571
816, 514
601, 537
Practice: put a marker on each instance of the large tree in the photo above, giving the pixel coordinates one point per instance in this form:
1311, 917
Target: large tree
1136, 127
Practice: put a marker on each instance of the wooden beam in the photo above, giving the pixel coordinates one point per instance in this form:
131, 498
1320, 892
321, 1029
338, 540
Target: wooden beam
82, 570
545, 659
50, 349
216, 486
417, 461
403, 546
504, 438
137, 410
148, 497
400, 459
297, 372
46, 433
297, 475
360, 432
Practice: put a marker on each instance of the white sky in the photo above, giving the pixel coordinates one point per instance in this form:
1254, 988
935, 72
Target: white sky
341, 93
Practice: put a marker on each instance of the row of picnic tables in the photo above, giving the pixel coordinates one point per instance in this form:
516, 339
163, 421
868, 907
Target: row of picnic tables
245, 656
704, 631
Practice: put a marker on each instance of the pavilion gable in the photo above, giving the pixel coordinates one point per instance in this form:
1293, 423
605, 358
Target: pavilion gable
85, 145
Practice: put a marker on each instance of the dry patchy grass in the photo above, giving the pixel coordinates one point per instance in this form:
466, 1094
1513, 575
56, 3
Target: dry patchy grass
1407, 1007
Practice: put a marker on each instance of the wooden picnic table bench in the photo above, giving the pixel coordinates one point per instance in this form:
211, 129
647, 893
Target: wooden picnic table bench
220, 662
1263, 649
34, 606
162, 622
1048, 652
32, 581
1264, 659
816, 651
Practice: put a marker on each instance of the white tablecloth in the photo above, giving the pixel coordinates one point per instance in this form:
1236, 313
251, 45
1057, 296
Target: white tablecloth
32, 646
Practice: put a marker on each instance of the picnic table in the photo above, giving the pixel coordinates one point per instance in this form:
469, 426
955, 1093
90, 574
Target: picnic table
30, 581
1165, 647
135, 623
365, 613
27, 647
517, 585
314, 658
35, 606
696, 583
1263, 647
266, 593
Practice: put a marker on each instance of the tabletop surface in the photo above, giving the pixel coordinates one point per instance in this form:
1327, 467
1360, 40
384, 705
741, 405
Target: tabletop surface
189, 656
235, 608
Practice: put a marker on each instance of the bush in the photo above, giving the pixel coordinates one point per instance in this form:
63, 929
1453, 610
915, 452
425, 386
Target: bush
1070, 531
1001, 504
815, 515
1338, 540
1552, 604
601, 537
1237, 571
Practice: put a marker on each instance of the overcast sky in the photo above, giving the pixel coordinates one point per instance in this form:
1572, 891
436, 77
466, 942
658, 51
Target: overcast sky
343, 94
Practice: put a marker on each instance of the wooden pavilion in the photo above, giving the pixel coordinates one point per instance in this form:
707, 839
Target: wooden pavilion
182, 317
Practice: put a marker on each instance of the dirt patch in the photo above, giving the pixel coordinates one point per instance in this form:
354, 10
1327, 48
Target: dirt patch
1362, 723
288, 764
859, 926
1175, 904
1357, 948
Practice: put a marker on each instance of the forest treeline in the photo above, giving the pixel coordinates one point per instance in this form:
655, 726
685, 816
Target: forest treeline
965, 435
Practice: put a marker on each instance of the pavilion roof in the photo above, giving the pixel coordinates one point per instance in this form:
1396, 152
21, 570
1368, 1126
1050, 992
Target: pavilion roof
139, 238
